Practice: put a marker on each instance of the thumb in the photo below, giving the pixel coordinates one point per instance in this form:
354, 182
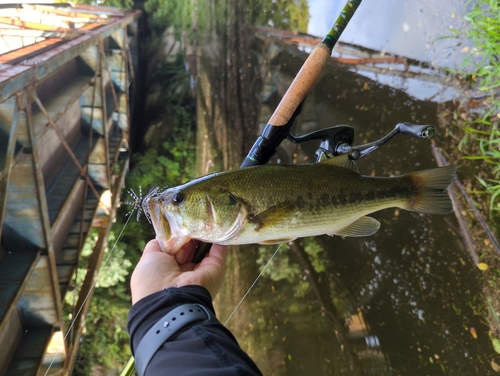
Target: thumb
152, 247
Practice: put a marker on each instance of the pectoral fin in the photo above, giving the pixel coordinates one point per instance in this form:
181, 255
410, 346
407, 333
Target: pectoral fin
273, 215
365, 226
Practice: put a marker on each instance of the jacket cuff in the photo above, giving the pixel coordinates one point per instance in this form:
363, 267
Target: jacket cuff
147, 311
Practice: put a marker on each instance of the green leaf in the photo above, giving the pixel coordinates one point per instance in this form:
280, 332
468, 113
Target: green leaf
496, 344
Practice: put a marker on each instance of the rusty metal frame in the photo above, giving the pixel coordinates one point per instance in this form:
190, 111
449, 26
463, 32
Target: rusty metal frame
20, 79
127, 58
49, 61
42, 199
105, 129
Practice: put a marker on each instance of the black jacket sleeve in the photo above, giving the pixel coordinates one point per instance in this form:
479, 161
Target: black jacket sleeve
207, 348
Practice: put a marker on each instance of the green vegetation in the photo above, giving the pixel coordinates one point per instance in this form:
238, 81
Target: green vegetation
478, 118
190, 15
280, 14
122, 4
176, 13
482, 136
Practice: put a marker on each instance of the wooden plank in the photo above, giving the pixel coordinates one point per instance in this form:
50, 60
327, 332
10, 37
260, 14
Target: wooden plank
68, 255
9, 338
23, 210
28, 52
65, 272
118, 37
7, 113
68, 176
118, 69
59, 104
75, 228
54, 357
37, 299
97, 164
64, 287
67, 214
72, 241
29, 353
15, 269
53, 155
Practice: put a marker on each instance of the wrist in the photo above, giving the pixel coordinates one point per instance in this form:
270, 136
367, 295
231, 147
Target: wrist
148, 310
167, 328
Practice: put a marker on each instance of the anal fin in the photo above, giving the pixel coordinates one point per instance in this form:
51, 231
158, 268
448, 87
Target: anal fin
365, 226
277, 241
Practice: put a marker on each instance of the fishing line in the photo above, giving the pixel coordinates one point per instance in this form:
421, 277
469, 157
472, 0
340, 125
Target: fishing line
253, 284
103, 265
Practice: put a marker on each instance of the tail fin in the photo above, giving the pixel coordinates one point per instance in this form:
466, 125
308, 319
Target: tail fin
431, 196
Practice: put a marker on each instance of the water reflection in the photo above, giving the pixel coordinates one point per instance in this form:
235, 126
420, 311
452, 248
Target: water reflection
416, 78
400, 302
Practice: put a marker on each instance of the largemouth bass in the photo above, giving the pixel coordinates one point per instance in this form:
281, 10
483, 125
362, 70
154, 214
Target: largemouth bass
276, 203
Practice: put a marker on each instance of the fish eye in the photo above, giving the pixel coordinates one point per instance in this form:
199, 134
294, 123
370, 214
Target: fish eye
178, 198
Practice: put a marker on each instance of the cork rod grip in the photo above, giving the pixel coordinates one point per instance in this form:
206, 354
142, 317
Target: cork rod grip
301, 85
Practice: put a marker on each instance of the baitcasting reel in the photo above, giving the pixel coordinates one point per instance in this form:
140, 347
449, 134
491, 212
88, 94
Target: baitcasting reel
335, 140
339, 140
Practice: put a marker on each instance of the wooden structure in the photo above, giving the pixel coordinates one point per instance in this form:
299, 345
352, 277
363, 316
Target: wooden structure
65, 78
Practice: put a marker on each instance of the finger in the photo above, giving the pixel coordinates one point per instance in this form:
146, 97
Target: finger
186, 252
215, 262
152, 247
180, 256
218, 251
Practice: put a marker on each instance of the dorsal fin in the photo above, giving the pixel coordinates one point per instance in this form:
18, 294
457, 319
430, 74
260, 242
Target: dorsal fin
342, 161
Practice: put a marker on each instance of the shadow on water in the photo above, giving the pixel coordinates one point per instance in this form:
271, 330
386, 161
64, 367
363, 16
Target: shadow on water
400, 302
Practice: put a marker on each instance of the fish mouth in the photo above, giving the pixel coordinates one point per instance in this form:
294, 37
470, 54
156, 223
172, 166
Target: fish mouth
153, 211
166, 226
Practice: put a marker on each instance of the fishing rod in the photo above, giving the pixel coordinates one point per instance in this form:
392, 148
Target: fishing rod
280, 123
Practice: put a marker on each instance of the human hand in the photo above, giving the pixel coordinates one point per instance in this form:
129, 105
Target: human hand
157, 270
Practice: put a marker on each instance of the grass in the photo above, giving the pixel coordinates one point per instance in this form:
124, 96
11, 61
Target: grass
478, 119
482, 68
